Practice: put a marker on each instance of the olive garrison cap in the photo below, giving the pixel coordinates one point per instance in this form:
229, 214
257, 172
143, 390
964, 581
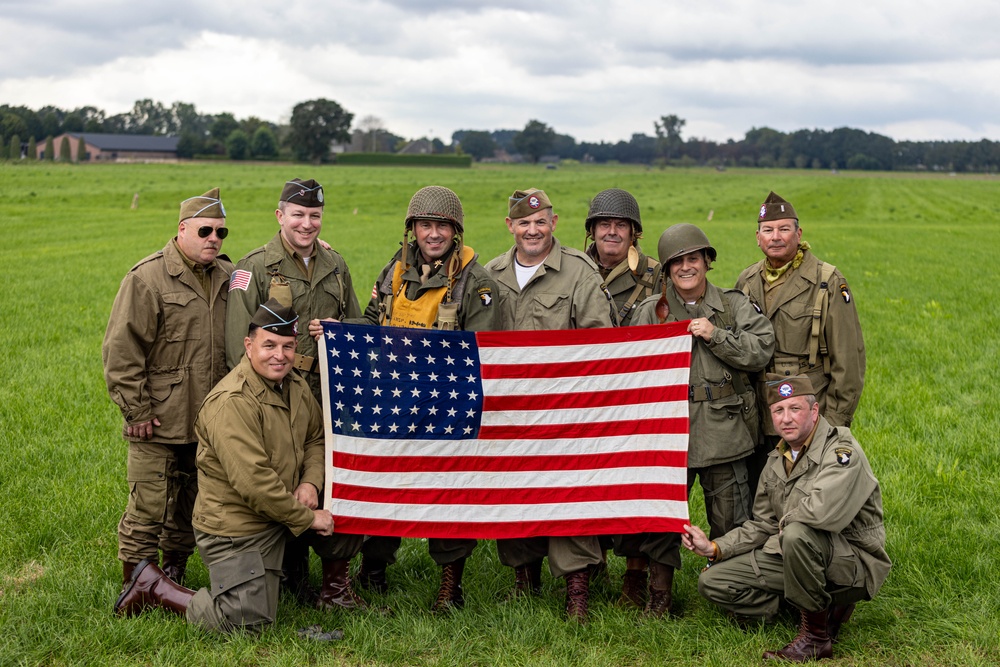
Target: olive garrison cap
207, 205
525, 202
776, 208
304, 193
272, 316
780, 387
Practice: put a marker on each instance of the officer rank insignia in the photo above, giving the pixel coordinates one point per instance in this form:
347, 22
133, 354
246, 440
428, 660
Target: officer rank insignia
845, 293
485, 295
843, 455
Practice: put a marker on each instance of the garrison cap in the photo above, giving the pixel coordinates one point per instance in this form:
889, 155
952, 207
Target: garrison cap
304, 193
207, 205
780, 387
776, 208
525, 202
272, 316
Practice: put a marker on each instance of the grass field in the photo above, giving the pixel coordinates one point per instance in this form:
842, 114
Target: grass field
919, 252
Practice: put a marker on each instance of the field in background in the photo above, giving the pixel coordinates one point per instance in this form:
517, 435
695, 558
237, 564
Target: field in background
918, 251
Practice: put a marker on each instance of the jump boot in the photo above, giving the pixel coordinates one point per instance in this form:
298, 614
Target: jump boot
175, 565
450, 594
812, 642
149, 588
295, 571
634, 584
577, 593
839, 614
661, 584
527, 580
371, 576
127, 569
337, 592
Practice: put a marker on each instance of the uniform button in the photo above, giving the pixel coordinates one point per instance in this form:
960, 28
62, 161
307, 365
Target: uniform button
253, 571
788, 372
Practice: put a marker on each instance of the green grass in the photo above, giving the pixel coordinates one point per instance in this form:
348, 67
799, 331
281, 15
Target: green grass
919, 252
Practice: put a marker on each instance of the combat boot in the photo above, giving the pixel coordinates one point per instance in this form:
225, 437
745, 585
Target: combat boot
175, 565
839, 614
371, 576
527, 580
336, 591
812, 642
450, 594
295, 573
661, 584
127, 569
149, 588
577, 594
634, 584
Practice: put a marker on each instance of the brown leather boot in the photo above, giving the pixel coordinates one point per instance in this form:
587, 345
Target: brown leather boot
839, 614
127, 570
450, 594
336, 591
295, 573
661, 584
371, 576
527, 580
175, 565
149, 588
634, 584
577, 594
812, 642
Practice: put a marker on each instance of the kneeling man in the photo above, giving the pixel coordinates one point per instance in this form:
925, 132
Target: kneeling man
816, 539
260, 469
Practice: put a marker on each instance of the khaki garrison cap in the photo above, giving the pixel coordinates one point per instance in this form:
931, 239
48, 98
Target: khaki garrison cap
525, 202
207, 205
780, 387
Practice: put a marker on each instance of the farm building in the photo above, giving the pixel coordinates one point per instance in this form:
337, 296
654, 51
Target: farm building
118, 147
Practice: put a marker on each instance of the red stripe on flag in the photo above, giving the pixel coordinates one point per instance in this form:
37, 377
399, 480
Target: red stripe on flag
586, 368
495, 531
549, 495
588, 337
586, 399
444, 464
669, 425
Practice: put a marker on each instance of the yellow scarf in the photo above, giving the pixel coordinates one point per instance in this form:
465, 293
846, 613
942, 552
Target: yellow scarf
772, 275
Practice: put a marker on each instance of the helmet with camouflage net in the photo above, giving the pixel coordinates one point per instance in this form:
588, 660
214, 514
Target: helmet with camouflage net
614, 203
681, 239
436, 203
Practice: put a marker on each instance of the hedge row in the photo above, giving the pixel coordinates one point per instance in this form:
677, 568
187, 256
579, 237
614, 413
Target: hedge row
404, 160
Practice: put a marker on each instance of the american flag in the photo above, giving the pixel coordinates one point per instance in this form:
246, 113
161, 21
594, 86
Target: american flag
240, 280
506, 434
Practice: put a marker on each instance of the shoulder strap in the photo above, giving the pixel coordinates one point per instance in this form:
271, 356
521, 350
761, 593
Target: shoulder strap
817, 339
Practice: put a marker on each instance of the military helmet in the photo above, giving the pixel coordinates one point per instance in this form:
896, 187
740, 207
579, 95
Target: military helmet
681, 239
614, 203
436, 203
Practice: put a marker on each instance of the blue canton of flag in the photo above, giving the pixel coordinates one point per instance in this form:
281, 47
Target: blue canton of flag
392, 383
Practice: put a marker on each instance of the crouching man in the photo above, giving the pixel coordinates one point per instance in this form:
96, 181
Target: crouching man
817, 537
260, 469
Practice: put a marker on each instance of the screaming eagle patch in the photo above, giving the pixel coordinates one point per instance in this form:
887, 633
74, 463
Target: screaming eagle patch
844, 292
843, 455
485, 295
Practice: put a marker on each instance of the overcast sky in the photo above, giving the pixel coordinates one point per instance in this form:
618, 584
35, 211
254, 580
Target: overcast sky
915, 70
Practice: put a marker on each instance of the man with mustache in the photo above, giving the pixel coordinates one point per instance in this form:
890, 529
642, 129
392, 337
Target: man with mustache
816, 327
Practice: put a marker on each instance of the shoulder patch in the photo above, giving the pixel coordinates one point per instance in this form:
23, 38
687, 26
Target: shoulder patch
843, 455
485, 295
844, 292
240, 280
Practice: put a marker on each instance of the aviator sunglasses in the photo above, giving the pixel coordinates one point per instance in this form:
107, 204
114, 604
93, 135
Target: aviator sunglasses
206, 231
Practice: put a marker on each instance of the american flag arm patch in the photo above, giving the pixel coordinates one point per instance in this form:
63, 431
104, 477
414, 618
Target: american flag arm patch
240, 280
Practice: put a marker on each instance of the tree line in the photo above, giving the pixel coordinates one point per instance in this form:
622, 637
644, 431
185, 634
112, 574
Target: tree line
316, 126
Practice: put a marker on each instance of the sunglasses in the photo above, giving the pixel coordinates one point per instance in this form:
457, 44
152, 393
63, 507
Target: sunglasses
206, 231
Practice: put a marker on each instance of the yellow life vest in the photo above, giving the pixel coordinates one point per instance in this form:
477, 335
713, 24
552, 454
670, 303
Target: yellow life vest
423, 312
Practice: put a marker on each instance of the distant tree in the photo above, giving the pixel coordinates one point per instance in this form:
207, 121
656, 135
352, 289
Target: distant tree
72, 123
534, 140
186, 119
315, 125
565, 147
3, 150
148, 117
64, 153
251, 124
668, 134
223, 126
370, 126
50, 148
14, 152
81, 150
263, 144
12, 124
478, 144
32, 149
189, 145
237, 145
50, 123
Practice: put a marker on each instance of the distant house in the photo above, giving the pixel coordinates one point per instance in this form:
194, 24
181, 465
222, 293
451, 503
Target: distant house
117, 147
418, 147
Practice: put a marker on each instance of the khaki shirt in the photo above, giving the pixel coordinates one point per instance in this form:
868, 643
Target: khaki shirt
164, 347
564, 293
623, 285
718, 432
329, 292
832, 489
790, 309
254, 451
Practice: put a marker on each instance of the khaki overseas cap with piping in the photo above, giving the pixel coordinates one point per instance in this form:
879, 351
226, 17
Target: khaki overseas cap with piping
780, 387
276, 318
208, 205
304, 193
525, 202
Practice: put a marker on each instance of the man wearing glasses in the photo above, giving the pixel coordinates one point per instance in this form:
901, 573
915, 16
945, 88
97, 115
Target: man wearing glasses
164, 350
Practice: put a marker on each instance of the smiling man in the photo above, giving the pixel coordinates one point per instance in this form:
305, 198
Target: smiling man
298, 271
797, 291
164, 349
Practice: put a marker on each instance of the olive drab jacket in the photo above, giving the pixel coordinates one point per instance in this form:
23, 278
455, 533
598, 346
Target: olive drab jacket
164, 348
838, 372
629, 288
833, 489
274, 273
254, 450
721, 404
478, 309
564, 293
